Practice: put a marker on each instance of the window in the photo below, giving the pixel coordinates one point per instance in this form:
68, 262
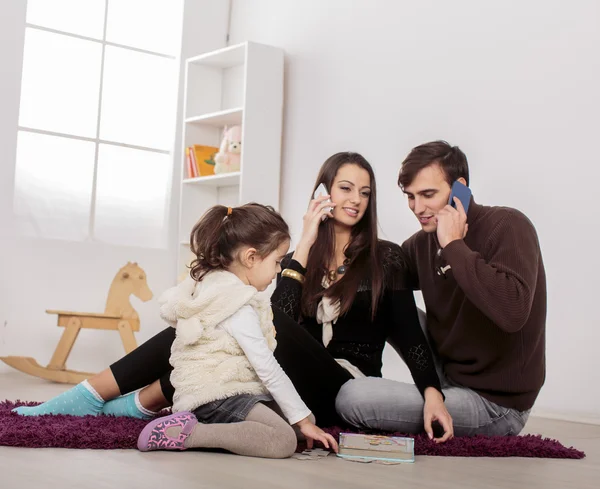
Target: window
97, 120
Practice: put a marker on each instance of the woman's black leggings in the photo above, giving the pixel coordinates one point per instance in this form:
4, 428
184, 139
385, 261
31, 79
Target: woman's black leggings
313, 371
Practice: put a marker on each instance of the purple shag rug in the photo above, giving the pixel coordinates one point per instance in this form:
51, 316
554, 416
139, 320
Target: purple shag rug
109, 433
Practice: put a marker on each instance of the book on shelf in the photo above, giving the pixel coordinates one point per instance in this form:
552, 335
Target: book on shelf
200, 160
189, 165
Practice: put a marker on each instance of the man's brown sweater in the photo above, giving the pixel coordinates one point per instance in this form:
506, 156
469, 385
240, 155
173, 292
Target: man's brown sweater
486, 314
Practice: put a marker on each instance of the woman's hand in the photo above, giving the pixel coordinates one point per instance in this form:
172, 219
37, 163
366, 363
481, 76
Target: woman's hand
435, 410
318, 208
313, 432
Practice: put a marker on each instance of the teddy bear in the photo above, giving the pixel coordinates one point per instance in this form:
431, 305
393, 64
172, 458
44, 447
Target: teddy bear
228, 158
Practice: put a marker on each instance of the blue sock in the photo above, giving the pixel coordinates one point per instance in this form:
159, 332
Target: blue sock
81, 400
127, 406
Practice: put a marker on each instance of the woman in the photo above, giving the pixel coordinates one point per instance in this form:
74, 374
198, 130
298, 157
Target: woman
338, 300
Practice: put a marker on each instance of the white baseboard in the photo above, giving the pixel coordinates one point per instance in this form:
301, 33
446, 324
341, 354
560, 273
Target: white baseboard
585, 418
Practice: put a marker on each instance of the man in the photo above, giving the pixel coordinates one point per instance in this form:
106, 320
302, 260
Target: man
484, 286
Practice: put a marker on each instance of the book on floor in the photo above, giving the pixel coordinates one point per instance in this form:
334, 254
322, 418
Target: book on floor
377, 447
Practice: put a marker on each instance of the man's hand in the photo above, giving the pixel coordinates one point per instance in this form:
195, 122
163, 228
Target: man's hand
451, 223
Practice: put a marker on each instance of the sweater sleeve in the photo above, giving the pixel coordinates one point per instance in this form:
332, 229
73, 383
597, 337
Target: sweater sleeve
501, 283
244, 326
404, 329
407, 338
410, 270
288, 293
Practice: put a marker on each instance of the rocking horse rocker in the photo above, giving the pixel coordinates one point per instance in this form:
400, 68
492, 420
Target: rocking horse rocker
118, 315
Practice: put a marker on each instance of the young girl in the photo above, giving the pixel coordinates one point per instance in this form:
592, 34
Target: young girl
224, 372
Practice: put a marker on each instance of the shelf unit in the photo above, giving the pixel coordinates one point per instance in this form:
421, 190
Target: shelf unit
236, 85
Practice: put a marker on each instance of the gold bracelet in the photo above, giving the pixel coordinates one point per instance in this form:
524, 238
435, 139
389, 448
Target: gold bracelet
289, 273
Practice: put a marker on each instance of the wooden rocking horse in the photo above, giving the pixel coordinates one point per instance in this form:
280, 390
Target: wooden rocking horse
119, 315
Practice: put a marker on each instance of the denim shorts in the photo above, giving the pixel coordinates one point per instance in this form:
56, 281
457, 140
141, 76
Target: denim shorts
230, 410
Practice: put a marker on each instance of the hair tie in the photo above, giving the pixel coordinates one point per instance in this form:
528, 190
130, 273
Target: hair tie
229, 211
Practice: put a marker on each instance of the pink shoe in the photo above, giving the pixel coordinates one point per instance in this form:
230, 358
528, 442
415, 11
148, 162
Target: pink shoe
154, 435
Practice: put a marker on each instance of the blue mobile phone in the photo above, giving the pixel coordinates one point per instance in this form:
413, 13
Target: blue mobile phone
463, 193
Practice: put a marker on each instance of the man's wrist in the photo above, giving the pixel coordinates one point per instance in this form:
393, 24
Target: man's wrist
450, 240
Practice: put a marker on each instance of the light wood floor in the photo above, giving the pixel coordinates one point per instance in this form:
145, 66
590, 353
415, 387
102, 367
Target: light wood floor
129, 469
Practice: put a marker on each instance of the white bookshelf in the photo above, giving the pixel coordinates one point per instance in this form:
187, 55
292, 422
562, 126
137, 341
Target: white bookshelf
241, 84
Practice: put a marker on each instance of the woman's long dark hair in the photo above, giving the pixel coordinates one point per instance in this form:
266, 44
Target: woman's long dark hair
362, 252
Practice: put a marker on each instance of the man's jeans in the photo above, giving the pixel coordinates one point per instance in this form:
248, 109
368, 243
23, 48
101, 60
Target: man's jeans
392, 406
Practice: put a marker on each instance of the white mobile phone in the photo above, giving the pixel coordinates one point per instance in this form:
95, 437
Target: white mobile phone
322, 190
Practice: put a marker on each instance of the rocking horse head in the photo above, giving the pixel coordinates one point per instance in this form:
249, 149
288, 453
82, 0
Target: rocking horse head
132, 279
129, 280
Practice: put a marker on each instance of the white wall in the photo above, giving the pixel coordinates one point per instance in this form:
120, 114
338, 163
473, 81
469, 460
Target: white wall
40, 274
514, 83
